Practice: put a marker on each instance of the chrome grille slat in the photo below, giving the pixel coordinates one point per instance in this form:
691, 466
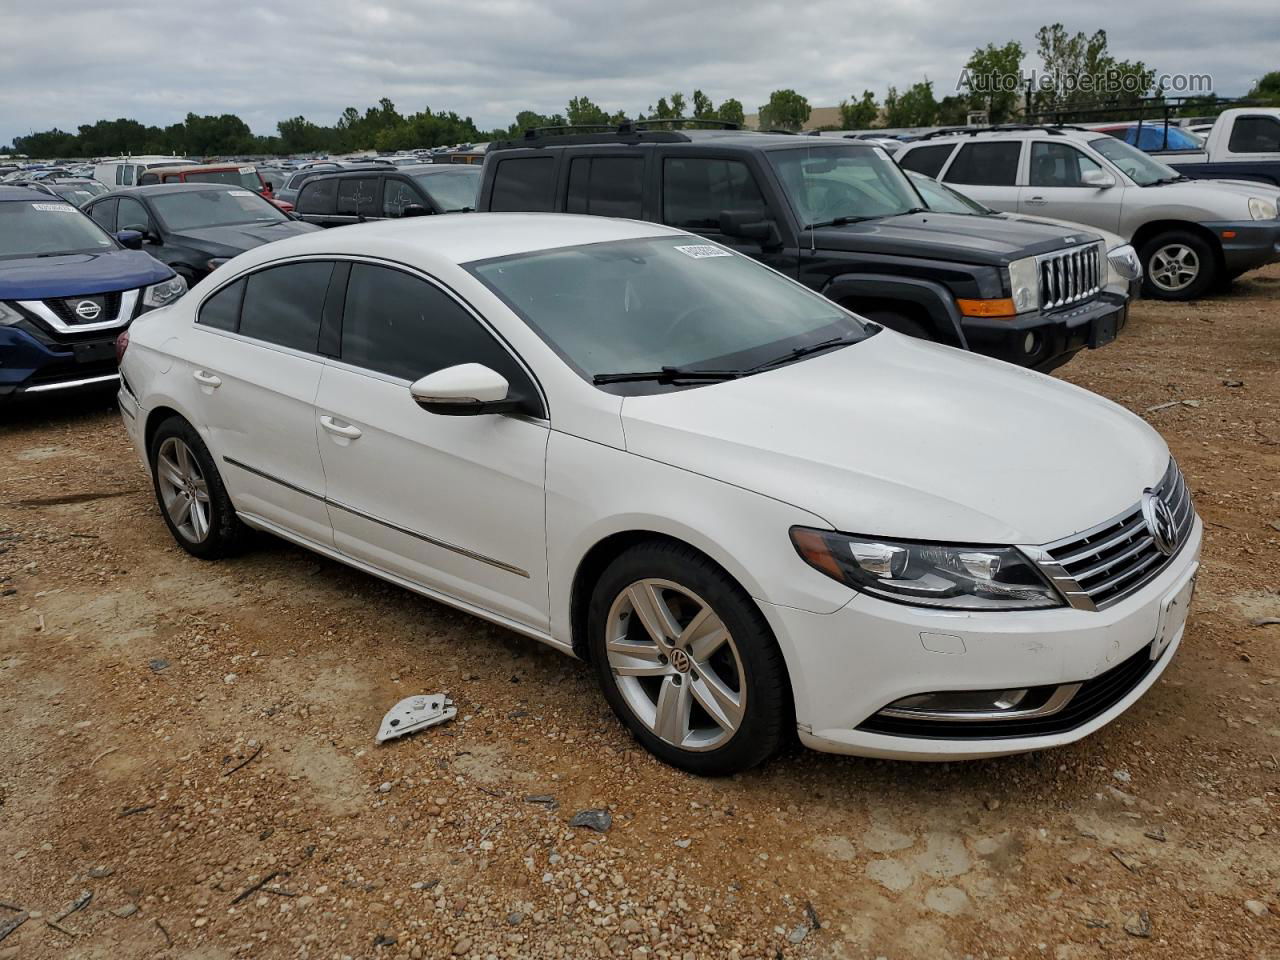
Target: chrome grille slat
1132, 524
1106, 565
1122, 577
1068, 277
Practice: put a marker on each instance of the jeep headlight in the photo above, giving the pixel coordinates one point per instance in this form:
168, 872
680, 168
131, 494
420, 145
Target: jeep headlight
1124, 261
928, 574
1261, 209
163, 294
1024, 284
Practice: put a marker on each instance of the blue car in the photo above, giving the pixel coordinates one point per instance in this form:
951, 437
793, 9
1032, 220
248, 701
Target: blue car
67, 290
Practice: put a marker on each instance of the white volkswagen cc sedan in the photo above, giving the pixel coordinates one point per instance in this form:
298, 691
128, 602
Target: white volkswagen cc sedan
749, 509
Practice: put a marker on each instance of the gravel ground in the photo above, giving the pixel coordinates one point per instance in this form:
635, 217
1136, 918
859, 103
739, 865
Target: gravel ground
192, 745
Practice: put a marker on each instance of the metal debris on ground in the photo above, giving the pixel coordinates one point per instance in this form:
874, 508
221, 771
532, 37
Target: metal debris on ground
416, 713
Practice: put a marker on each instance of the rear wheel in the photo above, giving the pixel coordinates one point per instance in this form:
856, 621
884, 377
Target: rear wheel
687, 661
192, 498
1178, 265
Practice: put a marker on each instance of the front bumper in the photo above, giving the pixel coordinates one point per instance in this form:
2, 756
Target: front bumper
847, 666
28, 366
1253, 244
1044, 341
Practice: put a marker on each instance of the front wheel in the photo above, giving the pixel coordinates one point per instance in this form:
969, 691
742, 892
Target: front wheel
1178, 266
687, 661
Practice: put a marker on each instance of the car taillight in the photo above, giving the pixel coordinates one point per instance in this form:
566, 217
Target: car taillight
122, 344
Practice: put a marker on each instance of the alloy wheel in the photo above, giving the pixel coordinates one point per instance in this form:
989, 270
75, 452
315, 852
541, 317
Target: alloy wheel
1174, 267
676, 664
183, 489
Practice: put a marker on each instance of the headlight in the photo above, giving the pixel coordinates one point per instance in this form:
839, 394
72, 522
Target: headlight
1261, 209
1124, 260
163, 294
1024, 284
928, 574
8, 315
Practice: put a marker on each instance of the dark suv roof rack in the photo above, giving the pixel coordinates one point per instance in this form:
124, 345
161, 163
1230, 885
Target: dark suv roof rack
629, 131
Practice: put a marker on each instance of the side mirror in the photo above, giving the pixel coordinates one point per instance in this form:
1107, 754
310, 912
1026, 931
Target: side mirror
130, 239
414, 210
145, 233
467, 390
750, 225
1098, 178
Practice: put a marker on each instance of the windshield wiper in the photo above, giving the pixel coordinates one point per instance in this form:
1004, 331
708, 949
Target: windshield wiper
840, 221
668, 375
805, 351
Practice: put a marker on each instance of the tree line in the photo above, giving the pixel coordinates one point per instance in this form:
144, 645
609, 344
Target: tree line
382, 127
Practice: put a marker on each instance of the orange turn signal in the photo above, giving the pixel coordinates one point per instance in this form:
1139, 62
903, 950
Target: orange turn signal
987, 308
1228, 234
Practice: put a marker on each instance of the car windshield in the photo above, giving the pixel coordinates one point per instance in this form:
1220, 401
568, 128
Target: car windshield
942, 199
48, 229
193, 209
1142, 169
673, 301
246, 177
843, 183
452, 188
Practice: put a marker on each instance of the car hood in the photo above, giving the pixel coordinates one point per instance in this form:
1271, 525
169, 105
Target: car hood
896, 437
77, 274
240, 237
1112, 240
950, 236
1199, 189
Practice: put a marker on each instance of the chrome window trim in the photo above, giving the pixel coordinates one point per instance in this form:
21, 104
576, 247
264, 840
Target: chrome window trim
128, 302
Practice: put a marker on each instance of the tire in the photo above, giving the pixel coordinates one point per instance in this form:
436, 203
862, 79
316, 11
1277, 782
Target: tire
189, 491
728, 660
1178, 265
899, 322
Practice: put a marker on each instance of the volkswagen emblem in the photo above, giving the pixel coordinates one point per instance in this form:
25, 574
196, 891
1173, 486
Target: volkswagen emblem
87, 310
681, 661
1164, 531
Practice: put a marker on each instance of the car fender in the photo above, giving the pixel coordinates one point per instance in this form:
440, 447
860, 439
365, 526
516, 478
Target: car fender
933, 297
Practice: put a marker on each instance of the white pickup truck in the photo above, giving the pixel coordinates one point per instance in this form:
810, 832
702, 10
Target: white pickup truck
1243, 144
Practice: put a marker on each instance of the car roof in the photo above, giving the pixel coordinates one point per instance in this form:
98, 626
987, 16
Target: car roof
987, 136
8, 194
201, 167
732, 139
449, 240
156, 189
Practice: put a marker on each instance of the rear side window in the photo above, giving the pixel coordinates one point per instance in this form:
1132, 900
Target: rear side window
149, 178
524, 184
358, 196
927, 160
402, 326
283, 305
606, 186
986, 164
222, 310
318, 196
696, 189
1255, 135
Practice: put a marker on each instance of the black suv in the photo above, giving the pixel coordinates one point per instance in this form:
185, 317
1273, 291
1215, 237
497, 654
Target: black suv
838, 216
413, 190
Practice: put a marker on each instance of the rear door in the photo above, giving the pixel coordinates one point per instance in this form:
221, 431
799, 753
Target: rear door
1056, 188
256, 370
987, 171
452, 503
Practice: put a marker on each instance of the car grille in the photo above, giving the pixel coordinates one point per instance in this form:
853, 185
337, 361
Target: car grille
1069, 277
108, 305
1104, 565
1094, 698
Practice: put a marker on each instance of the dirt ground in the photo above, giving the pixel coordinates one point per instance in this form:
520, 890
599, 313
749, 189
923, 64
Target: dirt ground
193, 744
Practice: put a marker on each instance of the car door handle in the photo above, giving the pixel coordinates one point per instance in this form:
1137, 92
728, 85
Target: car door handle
339, 428
206, 379
1037, 201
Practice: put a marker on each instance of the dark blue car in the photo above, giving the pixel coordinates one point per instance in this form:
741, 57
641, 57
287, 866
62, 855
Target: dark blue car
67, 290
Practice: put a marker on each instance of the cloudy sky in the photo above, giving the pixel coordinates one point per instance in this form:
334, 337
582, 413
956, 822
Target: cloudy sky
266, 61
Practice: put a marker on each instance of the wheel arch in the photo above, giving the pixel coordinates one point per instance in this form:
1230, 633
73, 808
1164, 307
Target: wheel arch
925, 300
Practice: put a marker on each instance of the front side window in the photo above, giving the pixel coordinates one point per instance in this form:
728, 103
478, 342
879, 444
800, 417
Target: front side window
606, 186
635, 305
193, 209
695, 190
284, 305
986, 164
396, 195
927, 160
1142, 169
357, 197
1059, 165
400, 325
1255, 135
132, 215
104, 214
524, 184
843, 183
48, 229
453, 189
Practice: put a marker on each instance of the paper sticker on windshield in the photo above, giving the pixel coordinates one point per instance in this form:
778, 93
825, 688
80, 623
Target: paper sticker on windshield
246, 169
241, 193
54, 207
701, 251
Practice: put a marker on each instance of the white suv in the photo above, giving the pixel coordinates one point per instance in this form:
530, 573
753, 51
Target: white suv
751, 510
1192, 235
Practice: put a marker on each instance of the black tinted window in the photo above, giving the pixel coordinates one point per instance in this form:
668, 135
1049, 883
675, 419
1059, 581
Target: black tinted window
696, 190
357, 196
523, 184
318, 197
132, 214
986, 164
1059, 165
606, 186
927, 160
283, 305
104, 214
1255, 135
400, 325
396, 195
222, 310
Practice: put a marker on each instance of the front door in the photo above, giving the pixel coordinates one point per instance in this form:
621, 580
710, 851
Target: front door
1056, 188
454, 503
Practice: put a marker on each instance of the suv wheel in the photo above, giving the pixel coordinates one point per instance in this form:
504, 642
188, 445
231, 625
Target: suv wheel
1178, 266
687, 661
192, 499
